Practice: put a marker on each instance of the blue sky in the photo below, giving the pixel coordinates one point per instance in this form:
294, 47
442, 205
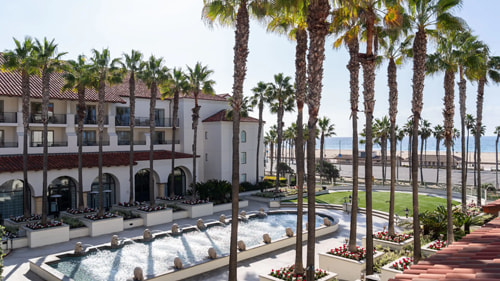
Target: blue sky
174, 30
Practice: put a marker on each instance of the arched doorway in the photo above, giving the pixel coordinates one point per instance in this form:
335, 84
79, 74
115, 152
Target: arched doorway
109, 192
61, 194
11, 196
142, 185
179, 182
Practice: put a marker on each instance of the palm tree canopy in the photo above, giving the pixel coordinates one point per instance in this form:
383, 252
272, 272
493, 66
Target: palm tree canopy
281, 93
224, 12
286, 17
198, 77
177, 82
427, 14
327, 129
153, 72
78, 74
47, 56
103, 66
133, 61
20, 58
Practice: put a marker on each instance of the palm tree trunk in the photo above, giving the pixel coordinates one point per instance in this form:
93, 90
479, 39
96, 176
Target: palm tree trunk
131, 137
196, 116
278, 151
318, 29
81, 116
479, 121
496, 160
25, 78
449, 111
321, 148
462, 88
100, 125
393, 111
259, 134
410, 141
437, 161
300, 82
272, 156
45, 143
353, 67
240, 58
152, 127
174, 130
419, 56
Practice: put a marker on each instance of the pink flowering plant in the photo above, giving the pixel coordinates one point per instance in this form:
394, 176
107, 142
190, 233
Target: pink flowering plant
96, 217
402, 264
438, 245
151, 208
397, 238
128, 204
194, 202
343, 251
78, 211
287, 273
34, 217
37, 225
175, 198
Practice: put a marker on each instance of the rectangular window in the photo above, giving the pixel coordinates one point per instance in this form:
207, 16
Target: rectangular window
123, 137
2, 138
243, 136
122, 117
243, 157
160, 138
1, 107
36, 138
90, 115
89, 138
243, 178
36, 111
160, 117
206, 135
206, 157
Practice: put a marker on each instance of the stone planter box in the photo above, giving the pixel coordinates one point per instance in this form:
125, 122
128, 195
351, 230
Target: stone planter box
330, 277
274, 204
228, 206
346, 269
388, 244
426, 252
387, 272
180, 215
131, 223
78, 232
104, 226
198, 210
75, 216
125, 209
47, 236
15, 243
156, 217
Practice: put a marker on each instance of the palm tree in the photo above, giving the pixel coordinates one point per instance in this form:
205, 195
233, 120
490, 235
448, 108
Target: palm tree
231, 12
425, 132
345, 24
281, 99
497, 132
22, 59
199, 82
489, 70
408, 130
424, 15
154, 74
318, 29
438, 135
106, 73
78, 77
469, 122
400, 135
258, 99
381, 130
473, 133
176, 84
133, 66
327, 130
48, 60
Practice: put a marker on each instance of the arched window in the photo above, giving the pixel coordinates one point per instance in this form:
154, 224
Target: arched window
109, 190
62, 194
243, 136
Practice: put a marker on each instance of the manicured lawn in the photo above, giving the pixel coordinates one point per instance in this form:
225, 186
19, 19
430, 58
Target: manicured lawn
381, 201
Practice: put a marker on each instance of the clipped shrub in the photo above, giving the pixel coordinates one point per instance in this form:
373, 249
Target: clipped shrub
216, 191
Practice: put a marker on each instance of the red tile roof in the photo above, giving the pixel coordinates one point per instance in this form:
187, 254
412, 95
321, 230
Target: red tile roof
221, 116
201, 96
14, 163
474, 257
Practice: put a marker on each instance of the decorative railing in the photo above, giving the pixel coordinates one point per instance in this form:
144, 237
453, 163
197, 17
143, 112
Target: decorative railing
92, 121
8, 117
53, 118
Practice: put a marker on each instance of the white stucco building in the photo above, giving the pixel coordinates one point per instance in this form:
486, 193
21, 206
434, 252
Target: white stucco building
214, 146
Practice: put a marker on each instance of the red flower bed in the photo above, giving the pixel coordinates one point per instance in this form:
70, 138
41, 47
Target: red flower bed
77, 211
175, 198
23, 219
195, 202
105, 216
343, 251
438, 245
151, 209
38, 225
128, 204
397, 238
402, 264
287, 273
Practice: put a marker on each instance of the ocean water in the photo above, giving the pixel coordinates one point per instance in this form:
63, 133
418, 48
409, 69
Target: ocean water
337, 143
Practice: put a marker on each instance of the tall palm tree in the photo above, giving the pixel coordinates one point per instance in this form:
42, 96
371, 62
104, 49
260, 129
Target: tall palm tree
469, 122
424, 16
258, 99
281, 99
271, 136
317, 26
199, 82
176, 85
133, 66
474, 157
48, 60
438, 133
381, 131
445, 59
425, 132
400, 135
497, 132
408, 130
327, 129
346, 25
78, 77
489, 71
106, 74
232, 12
22, 59
154, 74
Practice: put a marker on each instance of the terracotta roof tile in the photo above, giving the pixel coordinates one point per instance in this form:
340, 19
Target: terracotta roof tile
14, 163
221, 116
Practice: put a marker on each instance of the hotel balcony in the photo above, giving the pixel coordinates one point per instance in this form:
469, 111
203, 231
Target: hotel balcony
6, 144
53, 118
50, 144
91, 121
8, 117
144, 122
